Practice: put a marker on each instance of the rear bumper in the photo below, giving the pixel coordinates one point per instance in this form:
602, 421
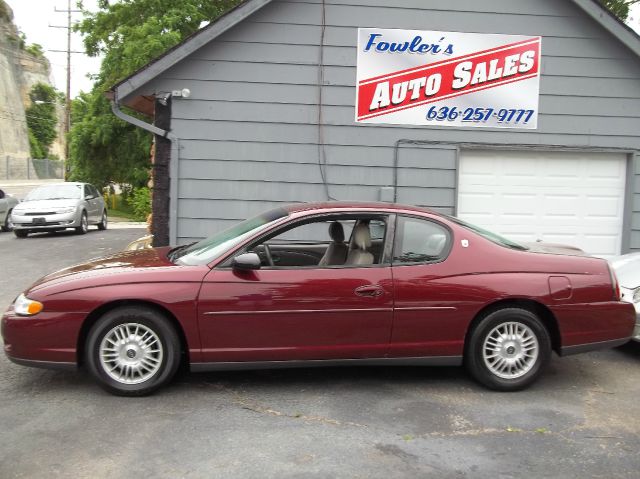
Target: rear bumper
590, 326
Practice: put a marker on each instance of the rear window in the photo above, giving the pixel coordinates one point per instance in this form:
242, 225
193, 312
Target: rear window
493, 237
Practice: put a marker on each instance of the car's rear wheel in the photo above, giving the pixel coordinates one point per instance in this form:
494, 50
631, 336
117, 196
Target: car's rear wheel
84, 224
132, 351
103, 222
508, 349
21, 233
8, 225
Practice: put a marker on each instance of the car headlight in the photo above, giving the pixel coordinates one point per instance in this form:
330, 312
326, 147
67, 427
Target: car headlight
62, 211
16, 211
24, 306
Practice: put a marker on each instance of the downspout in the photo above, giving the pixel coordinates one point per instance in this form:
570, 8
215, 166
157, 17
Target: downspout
175, 155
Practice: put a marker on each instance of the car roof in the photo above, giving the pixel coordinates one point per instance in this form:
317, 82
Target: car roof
64, 183
357, 205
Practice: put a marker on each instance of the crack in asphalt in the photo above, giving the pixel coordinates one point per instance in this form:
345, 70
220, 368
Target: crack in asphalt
252, 405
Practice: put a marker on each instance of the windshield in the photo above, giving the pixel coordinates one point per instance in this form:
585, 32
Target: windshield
55, 192
493, 237
210, 248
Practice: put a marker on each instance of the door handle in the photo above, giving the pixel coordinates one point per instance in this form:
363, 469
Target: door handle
369, 290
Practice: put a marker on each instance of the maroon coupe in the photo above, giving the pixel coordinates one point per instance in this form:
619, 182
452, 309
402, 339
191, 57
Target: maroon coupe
322, 284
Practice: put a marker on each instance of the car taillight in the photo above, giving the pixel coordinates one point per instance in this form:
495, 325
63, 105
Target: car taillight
616, 285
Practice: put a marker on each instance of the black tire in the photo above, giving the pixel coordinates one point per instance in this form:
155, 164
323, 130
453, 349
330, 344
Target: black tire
7, 226
508, 353
103, 222
146, 319
21, 233
84, 224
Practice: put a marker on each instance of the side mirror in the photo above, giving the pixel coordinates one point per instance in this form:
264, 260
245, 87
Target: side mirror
247, 262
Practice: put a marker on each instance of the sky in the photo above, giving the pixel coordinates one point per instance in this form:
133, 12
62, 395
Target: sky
34, 18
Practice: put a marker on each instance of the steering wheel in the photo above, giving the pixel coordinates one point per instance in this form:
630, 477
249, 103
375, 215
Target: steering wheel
267, 254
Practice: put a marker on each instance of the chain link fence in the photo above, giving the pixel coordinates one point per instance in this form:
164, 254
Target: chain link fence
30, 169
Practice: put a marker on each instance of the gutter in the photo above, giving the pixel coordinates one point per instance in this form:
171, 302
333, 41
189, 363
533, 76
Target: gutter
173, 166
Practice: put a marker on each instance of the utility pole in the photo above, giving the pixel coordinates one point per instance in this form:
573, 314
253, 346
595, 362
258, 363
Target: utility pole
67, 103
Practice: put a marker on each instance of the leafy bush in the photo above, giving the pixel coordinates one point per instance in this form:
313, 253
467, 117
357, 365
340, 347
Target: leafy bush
140, 202
41, 117
34, 146
36, 50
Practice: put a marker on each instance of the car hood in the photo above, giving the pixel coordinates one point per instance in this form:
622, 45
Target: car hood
553, 248
627, 268
100, 268
41, 205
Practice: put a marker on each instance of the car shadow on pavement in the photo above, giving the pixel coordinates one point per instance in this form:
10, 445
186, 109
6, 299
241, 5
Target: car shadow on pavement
322, 376
631, 349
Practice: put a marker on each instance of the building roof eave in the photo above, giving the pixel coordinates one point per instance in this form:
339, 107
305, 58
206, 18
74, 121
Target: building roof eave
186, 47
611, 23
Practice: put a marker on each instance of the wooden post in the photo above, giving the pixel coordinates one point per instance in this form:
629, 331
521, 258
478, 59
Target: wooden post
160, 200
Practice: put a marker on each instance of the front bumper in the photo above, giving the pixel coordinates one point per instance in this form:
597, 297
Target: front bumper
48, 339
33, 222
627, 295
636, 330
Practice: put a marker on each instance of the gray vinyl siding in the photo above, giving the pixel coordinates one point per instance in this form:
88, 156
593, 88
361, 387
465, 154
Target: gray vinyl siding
249, 135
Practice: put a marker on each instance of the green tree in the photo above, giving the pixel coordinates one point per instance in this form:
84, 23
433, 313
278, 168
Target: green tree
104, 149
128, 34
41, 118
619, 8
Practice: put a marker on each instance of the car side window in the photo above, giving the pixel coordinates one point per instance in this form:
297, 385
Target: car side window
420, 241
342, 241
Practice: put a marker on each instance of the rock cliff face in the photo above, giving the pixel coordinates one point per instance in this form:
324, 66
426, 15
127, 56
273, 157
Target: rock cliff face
19, 72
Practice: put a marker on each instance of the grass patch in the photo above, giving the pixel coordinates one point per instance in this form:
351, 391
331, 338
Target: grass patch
121, 214
118, 207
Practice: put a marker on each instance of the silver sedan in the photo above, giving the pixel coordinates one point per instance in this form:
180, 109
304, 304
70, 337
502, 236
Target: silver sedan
7, 204
58, 206
627, 268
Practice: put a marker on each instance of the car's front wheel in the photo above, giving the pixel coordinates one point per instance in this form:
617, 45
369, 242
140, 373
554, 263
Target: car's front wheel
21, 233
132, 351
8, 225
103, 222
84, 224
508, 349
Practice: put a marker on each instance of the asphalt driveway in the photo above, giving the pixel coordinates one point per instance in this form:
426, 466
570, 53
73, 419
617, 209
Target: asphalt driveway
582, 419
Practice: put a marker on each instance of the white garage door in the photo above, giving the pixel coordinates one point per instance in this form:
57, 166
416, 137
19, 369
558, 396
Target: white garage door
569, 198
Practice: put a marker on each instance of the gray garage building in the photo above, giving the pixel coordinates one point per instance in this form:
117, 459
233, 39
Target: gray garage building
261, 112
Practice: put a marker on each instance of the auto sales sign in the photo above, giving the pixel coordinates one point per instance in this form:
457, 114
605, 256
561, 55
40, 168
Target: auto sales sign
413, 77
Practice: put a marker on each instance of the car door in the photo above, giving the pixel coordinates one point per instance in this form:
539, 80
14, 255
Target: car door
430, 316
296, 313
90, 197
